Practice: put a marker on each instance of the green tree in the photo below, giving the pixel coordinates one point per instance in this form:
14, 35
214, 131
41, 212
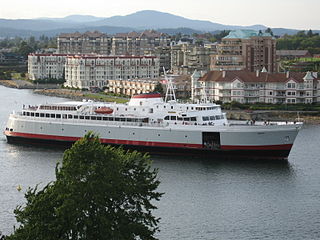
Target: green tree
24, 49
158, 88
269, 30
100, 192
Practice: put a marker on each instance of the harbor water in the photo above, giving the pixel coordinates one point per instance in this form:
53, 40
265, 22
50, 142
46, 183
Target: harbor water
204, 198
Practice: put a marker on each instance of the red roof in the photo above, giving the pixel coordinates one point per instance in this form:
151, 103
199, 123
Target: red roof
148, 95
247, 76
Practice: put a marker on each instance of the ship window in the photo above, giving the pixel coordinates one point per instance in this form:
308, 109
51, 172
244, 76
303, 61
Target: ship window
99, 118
179, 118
134, 109
87, 117
171, 107
166, 118
117, 119
64, 116
222, 117
126, 109
129, 119
187, 108
93, 118
191, 108
58, 116
218, 117
212, 118
151, 110
194, 119
52, 115
28, 114
122, 119
70, 116
24, 113
205, 118
164, 106
186, 119
37, 114
75, 116
111, 119
173, 118
81, 117
47, 115
105, 119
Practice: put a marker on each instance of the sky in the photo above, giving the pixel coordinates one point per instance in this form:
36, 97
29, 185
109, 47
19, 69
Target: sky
296, 14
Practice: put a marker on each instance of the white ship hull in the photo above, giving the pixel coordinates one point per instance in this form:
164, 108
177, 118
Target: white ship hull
270, 141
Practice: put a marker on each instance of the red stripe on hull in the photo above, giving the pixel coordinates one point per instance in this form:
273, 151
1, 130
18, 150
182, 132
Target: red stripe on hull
148, 143
265, 147
106, 141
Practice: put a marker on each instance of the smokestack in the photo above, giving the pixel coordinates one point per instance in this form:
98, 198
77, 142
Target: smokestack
288, 74
257, 73
223, 74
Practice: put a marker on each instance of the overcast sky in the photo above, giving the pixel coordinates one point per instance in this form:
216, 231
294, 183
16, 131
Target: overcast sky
298, 14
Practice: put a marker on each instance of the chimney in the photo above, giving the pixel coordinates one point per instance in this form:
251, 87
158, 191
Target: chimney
287, 74
257, 73
223, 74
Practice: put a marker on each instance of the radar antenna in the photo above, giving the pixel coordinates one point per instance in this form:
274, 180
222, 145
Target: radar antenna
170, 94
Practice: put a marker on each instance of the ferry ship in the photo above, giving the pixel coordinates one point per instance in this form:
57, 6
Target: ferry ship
150, 123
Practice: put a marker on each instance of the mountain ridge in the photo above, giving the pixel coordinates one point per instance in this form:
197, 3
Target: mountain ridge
138, 21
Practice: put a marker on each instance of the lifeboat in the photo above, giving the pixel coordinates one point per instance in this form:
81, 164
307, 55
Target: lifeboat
104, 110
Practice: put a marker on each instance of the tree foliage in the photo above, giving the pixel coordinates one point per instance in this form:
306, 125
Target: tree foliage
100, 192
300, 41
158, 88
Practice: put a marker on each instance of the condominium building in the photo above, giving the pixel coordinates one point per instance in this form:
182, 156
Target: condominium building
138, 44
245, 50
84, 43
252, 87
186, 58
95, 71
46, 66
130, 87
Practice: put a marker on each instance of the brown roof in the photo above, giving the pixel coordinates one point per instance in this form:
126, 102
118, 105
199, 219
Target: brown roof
86, 34
146, 33
247, 76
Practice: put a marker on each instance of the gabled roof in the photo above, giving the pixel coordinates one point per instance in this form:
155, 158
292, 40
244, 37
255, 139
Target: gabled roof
251, 77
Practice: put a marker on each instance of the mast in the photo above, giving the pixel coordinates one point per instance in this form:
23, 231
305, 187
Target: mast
170, 94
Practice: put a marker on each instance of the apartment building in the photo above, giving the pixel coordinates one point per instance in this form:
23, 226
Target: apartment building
84, 43
245, 50
186, 58
252, 87
138, 44
46, 66
95, 71
131, 87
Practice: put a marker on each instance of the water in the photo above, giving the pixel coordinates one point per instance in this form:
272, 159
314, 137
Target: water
204, 199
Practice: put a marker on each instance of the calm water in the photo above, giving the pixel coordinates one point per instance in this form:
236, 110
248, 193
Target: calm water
203, 199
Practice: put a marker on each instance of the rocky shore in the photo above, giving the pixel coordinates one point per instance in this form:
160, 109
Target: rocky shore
65, 93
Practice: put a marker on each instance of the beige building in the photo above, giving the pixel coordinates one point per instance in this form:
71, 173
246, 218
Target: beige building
253, 87
131, 86
245, 50
45, 66
186, 58
95, 71
84, 43
139, 44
